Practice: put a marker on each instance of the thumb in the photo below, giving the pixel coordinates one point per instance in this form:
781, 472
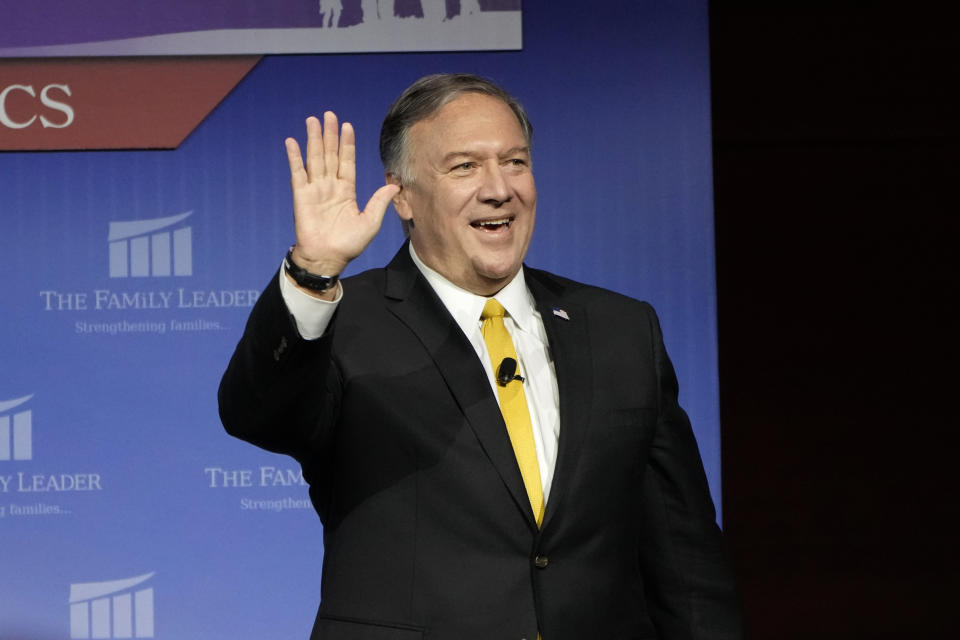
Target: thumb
377, 204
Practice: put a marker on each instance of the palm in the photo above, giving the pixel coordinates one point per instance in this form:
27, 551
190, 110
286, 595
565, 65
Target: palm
330, 226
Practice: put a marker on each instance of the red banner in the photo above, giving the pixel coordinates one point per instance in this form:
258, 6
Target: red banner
111, 103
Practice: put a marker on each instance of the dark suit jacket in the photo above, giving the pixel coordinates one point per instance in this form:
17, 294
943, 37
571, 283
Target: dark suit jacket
428, 532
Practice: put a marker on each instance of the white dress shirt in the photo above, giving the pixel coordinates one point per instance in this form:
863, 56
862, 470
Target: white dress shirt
523, 322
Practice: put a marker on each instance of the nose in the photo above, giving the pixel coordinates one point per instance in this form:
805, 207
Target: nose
494, 189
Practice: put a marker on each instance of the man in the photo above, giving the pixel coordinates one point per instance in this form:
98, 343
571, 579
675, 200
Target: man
528, 474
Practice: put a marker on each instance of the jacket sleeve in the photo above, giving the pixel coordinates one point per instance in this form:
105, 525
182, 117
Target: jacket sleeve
279, 390
690, 588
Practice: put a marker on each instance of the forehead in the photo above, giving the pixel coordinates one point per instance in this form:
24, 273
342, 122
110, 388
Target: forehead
471, 122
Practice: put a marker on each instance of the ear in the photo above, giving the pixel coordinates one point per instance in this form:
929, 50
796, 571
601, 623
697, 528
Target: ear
400, 201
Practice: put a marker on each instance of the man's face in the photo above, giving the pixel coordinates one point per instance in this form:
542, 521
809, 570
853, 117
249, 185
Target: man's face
473, 200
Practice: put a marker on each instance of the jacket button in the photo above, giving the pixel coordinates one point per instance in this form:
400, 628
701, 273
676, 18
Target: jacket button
541, 562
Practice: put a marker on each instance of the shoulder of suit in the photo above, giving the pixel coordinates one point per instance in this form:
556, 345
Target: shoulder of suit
581, 292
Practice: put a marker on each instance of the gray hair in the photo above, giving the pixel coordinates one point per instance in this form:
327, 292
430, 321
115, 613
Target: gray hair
423, 99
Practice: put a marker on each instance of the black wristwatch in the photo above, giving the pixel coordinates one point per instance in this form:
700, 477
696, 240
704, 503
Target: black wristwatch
305, 279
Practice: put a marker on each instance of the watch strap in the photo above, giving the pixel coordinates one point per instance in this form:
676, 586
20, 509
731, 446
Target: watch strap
305, 279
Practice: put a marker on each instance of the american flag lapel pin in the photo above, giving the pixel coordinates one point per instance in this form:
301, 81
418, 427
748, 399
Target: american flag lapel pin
560, 313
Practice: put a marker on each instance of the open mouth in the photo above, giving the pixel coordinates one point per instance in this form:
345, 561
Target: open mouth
492, 225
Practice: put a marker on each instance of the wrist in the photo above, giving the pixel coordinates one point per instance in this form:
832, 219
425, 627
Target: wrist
312, 276
322, 266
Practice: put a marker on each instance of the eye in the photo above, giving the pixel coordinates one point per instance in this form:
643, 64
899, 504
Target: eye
464, 166
516, 162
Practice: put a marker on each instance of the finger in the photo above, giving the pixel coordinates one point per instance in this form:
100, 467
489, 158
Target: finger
348, 154
378, 202
331, 142
298, 175
314, 149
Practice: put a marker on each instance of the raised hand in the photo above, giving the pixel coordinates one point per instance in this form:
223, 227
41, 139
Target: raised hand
331, 228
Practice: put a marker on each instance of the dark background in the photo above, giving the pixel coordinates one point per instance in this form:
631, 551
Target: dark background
836, 172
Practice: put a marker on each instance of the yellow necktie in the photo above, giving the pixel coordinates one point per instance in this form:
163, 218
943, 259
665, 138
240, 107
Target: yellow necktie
513, 404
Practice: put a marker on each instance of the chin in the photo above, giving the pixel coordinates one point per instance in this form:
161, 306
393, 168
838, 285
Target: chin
499, 275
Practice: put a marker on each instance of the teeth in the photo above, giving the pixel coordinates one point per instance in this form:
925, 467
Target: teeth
494, 223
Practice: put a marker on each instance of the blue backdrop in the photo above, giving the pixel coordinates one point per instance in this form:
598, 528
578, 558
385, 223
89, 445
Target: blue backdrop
113, 464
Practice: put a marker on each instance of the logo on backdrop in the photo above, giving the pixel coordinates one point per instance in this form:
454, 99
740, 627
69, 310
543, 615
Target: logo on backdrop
39, 489
113, 609
266, 489
149, 265
159, 247
16, 430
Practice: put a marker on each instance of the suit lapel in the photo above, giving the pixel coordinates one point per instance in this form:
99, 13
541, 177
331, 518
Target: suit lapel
567, 331
413, 301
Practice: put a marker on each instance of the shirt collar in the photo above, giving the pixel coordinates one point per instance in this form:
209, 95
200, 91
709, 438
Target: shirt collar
465, 306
